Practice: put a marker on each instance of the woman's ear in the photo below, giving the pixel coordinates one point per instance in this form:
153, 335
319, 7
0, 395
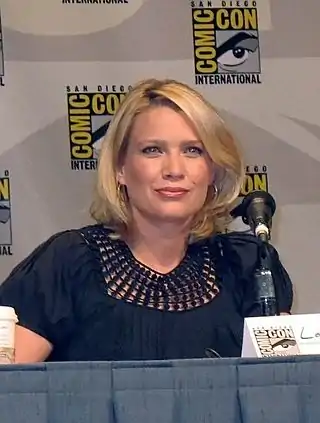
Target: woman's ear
121, 176
213, 177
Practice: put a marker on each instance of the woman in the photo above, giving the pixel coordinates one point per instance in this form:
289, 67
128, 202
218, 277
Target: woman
156, 277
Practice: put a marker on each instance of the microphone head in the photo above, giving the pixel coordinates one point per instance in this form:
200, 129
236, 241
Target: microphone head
261, 201
258, 199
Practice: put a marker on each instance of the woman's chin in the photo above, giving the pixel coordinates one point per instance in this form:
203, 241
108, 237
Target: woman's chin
178, 216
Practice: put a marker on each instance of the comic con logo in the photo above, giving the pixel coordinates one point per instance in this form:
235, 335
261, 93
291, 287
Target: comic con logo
1, 55
5, 215
276, 341
226, 42
256, 178
89, 115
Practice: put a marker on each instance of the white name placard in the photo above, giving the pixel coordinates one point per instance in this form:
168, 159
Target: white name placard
297, 334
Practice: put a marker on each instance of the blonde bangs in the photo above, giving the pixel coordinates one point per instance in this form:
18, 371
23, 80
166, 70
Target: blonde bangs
107, 207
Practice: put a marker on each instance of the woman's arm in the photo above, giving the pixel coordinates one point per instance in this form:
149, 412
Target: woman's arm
30, 347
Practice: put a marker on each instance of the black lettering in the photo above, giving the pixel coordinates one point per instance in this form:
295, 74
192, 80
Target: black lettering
263, 342
224, 79
260, 332
84, 164
238, 3
305, 335
6, 250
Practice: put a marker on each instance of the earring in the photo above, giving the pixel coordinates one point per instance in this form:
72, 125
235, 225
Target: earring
215, 190
121, 195
212, 192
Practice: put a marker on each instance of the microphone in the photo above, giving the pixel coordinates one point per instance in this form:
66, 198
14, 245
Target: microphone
257, 210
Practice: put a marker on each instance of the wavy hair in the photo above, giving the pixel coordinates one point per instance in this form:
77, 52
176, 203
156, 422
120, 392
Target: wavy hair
110, 205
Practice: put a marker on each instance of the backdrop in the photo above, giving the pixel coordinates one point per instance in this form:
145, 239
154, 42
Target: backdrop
65, 65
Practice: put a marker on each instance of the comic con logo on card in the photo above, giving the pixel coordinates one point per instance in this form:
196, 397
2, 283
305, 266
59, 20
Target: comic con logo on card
276, 341
226, 42
89, 116
5, 215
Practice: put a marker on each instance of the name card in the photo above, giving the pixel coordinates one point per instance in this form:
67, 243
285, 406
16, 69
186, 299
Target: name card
272, 336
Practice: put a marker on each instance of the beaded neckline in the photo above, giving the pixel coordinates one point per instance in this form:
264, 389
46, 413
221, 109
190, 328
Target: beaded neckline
191, 284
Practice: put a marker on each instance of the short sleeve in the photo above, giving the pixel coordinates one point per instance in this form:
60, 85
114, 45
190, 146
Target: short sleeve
40, 288
241, 257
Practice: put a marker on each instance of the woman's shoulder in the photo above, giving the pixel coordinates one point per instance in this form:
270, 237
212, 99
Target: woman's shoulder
241, 249
44, 287
239, 253
67, 240
64, 249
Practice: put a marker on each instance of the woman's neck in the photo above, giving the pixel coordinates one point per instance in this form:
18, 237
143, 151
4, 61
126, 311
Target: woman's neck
160, 247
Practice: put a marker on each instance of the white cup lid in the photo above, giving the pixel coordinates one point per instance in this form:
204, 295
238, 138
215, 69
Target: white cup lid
8, 313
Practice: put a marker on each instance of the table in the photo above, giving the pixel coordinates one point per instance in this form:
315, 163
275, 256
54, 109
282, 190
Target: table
276, 390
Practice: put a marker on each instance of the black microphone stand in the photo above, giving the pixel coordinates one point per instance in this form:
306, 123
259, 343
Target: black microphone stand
256, 210
265, 290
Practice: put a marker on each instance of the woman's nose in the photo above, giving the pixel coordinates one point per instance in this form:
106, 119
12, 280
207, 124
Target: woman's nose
173, 166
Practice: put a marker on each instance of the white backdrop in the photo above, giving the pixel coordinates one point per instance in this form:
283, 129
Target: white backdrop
260, 66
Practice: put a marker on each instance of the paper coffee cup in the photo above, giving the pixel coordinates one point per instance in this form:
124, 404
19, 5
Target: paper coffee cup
8, 320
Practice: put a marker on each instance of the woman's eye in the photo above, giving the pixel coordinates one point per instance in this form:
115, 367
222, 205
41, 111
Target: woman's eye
195, 151
151, 150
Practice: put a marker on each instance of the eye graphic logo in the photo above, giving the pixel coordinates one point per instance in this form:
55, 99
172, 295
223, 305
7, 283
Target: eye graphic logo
237, 52
226, 45
276, 341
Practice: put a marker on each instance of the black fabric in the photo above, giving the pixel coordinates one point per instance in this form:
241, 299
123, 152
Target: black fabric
189, 285
59, 291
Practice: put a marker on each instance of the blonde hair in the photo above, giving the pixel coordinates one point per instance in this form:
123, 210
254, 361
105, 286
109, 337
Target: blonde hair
110, 205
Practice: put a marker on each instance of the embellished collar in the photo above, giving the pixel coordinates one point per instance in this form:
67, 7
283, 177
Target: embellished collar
189, 285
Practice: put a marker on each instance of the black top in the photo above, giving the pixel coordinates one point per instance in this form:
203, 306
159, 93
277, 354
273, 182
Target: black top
87, 294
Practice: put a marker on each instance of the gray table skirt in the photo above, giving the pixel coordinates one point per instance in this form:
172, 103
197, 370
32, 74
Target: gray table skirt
188, 391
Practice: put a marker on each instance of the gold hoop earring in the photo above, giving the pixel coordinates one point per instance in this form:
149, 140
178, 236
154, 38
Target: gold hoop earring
212, 192
121, 195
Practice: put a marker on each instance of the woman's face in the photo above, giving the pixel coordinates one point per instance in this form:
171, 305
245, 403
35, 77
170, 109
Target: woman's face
166, 170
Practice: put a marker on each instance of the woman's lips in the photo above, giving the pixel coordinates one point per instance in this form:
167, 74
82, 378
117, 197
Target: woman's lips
172, 192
